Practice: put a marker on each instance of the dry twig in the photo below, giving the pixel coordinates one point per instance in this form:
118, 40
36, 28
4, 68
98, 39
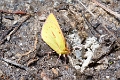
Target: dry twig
13, 12
107, 9
14, 63
7, 37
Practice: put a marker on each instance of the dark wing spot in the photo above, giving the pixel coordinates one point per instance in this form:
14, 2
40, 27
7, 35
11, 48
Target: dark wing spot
54, 35
59, 32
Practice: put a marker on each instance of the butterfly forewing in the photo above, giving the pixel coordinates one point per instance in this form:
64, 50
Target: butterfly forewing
52, 35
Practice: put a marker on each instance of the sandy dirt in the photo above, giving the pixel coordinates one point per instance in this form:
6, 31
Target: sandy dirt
25, 56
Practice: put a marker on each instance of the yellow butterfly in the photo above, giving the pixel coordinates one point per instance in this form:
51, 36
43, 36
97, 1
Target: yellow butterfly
53, 36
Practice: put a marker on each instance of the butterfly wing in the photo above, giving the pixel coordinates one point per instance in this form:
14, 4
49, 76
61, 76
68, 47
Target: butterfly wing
52, 35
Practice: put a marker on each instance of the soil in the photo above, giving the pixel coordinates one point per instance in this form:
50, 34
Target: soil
25, 56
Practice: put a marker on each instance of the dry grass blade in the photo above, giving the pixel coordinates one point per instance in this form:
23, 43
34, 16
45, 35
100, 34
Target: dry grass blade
86, 8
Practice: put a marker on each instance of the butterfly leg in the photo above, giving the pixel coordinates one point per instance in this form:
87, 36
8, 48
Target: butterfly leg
64, 58
49, 53
58, 59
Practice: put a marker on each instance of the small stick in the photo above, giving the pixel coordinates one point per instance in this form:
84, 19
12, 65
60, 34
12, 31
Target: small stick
13, 12
14, 63
14, 30
0, 18
107, 9
93, 31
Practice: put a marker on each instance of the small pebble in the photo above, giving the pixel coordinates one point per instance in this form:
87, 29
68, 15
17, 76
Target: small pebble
1, 73
10, 17
107, 77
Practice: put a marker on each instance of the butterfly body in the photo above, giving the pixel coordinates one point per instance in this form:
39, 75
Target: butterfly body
53, 36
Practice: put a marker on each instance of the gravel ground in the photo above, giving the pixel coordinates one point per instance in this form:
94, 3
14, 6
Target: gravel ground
25, 56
